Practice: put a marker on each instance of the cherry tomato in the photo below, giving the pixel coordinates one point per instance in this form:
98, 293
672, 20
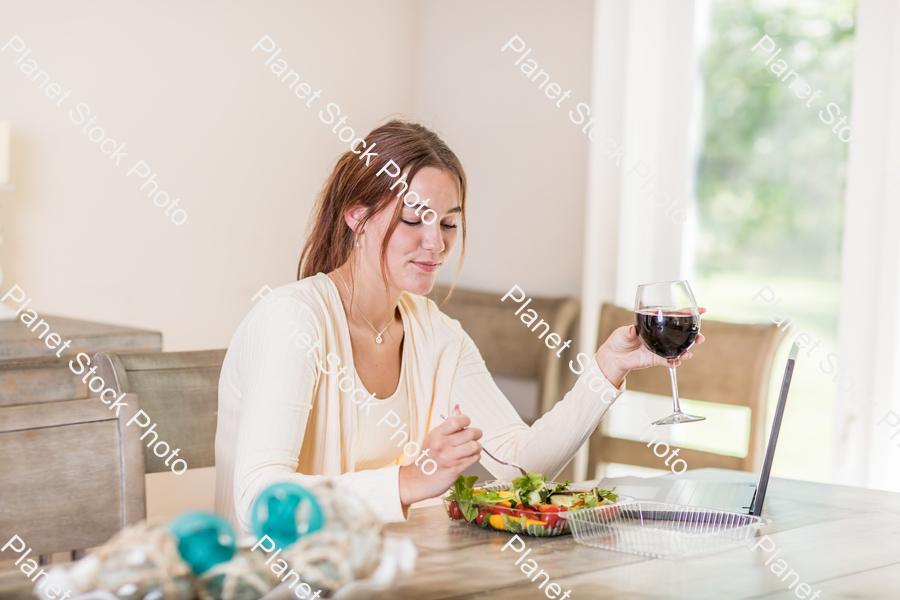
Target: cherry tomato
563, 508
500, 509
455, 512
551, 519
549, 508
482, 513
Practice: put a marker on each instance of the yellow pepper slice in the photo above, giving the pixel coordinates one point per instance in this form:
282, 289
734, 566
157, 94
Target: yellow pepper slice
497, 522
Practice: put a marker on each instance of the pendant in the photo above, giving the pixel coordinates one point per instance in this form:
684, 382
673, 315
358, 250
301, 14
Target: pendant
378, 339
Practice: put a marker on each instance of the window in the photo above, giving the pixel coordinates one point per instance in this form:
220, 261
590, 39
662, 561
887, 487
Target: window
770, 189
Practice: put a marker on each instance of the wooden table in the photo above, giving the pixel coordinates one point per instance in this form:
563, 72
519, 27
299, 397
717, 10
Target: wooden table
841, 540
30, 372
844, 541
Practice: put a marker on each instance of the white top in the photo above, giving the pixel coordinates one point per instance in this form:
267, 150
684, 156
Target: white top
376, 449
283, 417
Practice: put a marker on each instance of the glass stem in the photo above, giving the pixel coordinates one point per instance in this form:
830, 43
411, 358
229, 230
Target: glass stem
674, 386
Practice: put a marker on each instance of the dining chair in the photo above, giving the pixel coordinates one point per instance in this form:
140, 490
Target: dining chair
509, 347
71, 475
180, 393
731, 367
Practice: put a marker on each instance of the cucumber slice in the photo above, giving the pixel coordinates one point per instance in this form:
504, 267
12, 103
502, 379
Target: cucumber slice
562, 500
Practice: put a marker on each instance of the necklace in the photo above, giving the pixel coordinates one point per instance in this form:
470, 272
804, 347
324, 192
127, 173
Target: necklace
352, 304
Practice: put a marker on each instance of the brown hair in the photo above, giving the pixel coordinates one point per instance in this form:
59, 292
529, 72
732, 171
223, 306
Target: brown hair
353, 184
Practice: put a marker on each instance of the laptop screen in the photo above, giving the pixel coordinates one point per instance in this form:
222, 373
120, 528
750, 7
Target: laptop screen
773, 436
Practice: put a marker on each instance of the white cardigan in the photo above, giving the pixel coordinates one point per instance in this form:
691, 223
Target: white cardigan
281, 418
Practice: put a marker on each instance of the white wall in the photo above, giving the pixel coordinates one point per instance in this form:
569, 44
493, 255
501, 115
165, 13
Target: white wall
178, 84
525, 160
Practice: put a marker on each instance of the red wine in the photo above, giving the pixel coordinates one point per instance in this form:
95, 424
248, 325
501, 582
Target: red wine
666, 333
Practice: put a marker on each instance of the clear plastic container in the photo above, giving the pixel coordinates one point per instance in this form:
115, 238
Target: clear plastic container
505, 518
662, 530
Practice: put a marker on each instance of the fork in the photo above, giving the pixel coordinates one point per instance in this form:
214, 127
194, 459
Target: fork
502, 462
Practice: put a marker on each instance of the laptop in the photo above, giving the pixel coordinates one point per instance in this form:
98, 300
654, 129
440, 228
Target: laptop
744, 498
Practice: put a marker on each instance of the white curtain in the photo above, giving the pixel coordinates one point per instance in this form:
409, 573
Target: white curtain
660, 84
869, 327
644, 77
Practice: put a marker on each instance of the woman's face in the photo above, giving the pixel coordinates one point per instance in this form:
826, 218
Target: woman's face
419, 246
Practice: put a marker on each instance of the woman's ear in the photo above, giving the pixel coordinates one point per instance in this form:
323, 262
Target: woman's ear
353, 217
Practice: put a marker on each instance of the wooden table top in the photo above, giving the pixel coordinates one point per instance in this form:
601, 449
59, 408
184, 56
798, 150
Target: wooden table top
18, 342
840, 540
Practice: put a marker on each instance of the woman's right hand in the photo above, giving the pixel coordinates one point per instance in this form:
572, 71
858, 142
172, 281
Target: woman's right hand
453, 448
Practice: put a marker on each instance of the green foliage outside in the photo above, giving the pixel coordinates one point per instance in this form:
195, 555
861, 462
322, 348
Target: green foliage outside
771, 174
770, 189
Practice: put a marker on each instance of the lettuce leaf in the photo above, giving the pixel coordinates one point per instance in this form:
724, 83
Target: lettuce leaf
489, 497
514, 525
590, 500
468, 510
609, 494
595, 497
561, 487
463, 487
463, 491
525, 485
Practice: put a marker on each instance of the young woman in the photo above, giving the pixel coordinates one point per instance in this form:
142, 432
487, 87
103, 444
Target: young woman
345, 373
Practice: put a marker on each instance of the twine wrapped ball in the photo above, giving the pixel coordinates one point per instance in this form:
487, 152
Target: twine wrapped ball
141, 562
244, 577
348, 546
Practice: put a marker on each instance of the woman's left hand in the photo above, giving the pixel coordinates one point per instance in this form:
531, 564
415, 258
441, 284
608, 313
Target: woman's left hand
623, 351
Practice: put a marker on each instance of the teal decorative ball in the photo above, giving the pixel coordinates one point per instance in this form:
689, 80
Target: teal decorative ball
204, 539
285, 512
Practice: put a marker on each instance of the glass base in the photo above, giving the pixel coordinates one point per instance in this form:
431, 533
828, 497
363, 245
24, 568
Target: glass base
678, 417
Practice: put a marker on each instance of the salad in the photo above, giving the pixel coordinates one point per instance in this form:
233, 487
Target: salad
531, 505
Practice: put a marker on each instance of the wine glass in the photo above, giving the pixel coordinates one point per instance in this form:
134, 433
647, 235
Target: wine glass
667, 322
